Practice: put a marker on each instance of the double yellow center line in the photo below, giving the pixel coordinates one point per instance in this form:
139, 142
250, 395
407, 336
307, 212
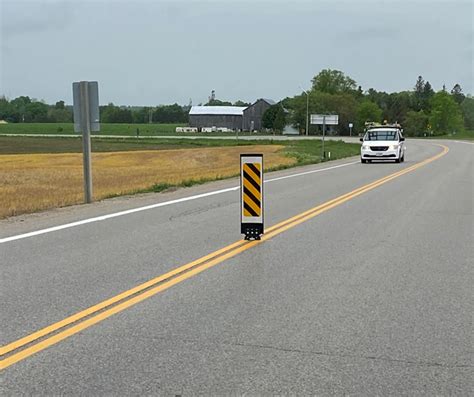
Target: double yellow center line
54, 333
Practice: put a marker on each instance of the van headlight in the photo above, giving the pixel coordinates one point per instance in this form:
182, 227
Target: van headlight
365, 147
394, 147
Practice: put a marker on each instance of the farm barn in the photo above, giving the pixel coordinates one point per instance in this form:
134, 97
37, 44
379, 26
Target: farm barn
216, 116
254, 113
232, 117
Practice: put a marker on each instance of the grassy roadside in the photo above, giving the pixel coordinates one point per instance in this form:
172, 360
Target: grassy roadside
463, 135
41, 173
304, 151
30, 145
106, 128
468, 134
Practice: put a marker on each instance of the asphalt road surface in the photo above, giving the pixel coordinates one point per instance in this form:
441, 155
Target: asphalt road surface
370, 294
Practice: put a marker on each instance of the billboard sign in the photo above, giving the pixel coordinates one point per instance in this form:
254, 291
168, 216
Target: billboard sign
328, 119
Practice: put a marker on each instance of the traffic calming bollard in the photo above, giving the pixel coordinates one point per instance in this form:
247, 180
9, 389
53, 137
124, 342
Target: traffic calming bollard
251, 195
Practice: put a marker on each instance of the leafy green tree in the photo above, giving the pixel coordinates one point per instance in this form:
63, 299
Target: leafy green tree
333, 82
59, 115
426, 96
467, 108
141, 115
19, 105
419, 85
107, 113
457, 93
416, 123
280, 120
241, 103
116, 114
287, 103
382, 99
428, 91
217, 102
344, 105
59, 105
21, 101
274, 118
445, 115
399, 104
170, 114
419, 94
8, 112
368, 111
269, 117
36, 112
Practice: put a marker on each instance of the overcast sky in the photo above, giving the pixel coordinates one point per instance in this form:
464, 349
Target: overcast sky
156, 52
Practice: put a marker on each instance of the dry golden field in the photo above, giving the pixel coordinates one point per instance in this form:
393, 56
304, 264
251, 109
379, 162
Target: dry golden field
32, 182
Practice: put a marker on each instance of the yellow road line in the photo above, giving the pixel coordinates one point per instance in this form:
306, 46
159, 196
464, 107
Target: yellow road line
190, 269
91, 310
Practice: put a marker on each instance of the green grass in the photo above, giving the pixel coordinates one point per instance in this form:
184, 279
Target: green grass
304, 151
105, 129
310, 151
25, 145
467, 134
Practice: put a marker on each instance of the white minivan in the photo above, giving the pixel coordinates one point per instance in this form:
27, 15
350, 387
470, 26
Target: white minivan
383, 143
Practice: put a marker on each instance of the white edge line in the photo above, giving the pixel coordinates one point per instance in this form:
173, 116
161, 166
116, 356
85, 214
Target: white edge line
157, 205
466, 142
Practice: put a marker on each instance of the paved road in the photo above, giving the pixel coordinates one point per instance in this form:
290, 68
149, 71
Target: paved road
370, 297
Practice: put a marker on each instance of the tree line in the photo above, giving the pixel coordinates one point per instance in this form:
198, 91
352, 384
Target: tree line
26, 110
421, 111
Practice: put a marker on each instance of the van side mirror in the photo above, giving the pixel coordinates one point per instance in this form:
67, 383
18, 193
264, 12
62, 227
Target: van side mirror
361, 139
402, 139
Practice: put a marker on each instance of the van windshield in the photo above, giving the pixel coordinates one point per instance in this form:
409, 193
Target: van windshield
382, 135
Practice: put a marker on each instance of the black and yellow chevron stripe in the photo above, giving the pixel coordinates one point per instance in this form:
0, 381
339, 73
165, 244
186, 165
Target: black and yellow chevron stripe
252, 193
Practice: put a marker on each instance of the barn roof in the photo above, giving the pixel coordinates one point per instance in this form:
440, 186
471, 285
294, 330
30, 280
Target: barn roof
217, 110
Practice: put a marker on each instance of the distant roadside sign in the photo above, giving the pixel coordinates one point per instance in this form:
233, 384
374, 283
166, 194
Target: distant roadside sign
351, 125
92, 104
328, 119
251, 195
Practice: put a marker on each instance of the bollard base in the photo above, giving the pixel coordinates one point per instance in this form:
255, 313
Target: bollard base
252, 231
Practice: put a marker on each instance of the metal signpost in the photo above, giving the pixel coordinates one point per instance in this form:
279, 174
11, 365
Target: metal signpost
86, 119
350, 128
324, 119
251, 195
